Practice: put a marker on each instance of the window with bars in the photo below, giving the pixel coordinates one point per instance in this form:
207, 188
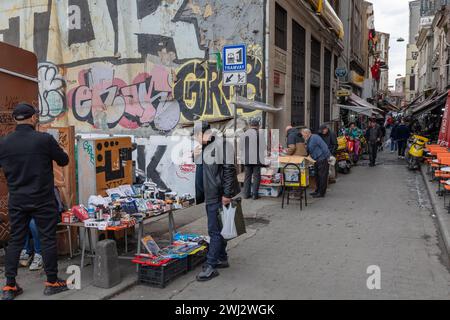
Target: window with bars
280, 27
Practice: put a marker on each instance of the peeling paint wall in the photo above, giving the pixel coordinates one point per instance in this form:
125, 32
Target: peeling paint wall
140, 66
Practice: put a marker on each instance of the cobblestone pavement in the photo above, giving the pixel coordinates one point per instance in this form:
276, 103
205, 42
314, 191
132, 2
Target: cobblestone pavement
374, 216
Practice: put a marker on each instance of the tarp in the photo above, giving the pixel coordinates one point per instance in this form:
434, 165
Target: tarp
430, 104
359, 110
363, 103
444, 132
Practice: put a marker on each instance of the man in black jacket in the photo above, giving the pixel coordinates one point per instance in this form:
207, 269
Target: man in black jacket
329, 137
26, 157
403, 133
220, 185
373, 137
253, 148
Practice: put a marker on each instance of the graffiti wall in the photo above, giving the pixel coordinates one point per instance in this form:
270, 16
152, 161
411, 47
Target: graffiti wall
134, 65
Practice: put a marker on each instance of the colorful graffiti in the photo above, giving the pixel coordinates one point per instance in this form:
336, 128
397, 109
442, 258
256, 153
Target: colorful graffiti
106, 101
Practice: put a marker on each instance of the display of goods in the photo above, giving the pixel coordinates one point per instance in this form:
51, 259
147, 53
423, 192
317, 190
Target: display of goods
68, 217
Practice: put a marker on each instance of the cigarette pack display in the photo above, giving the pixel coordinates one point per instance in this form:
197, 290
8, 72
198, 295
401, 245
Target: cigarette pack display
80, 212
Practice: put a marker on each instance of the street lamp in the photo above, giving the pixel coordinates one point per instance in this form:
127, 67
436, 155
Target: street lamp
400, 39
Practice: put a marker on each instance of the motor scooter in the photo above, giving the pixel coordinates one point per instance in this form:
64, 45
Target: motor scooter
416, 151
342, 156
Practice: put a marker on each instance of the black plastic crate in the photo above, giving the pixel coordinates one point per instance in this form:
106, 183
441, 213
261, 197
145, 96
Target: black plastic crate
162, 275
194, 260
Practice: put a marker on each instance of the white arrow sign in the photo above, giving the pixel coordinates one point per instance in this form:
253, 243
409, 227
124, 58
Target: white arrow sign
235, 78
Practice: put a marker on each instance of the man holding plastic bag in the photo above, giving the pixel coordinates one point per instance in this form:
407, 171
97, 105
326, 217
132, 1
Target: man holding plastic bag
216, 180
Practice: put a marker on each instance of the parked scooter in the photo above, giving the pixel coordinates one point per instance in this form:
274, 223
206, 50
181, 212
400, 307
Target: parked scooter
416, 151
354, 149
342, 156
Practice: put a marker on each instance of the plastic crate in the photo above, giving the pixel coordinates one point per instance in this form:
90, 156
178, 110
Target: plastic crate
196, 259
160, 276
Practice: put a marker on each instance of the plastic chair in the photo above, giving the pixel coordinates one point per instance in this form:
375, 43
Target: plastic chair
292, 184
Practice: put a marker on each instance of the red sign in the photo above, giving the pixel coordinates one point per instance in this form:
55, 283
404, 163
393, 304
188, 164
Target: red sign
444, 133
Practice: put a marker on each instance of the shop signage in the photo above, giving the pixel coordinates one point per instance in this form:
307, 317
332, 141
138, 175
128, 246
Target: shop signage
280, 61
341, 72
343, 93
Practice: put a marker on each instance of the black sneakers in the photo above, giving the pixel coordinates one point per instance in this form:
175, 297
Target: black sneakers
10, 293
52, 288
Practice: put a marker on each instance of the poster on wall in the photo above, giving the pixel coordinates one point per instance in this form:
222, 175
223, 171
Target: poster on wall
18, 68
167, 161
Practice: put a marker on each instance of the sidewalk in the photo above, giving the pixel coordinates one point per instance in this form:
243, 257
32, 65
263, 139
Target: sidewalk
192, 220
442, 214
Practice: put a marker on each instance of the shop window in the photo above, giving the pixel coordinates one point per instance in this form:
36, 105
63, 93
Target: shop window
280, 27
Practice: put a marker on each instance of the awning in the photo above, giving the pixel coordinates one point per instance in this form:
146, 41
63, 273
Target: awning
244, 103
360, 110
363, 103
430, 104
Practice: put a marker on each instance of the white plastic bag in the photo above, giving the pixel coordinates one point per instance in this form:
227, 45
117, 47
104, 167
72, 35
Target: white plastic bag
229, 227
387, 144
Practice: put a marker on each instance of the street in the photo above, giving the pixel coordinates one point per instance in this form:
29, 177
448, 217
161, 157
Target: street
374, 216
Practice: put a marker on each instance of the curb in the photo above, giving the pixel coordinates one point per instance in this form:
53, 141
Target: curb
442, 216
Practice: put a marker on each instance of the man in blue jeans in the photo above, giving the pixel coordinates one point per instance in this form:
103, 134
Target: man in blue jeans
27, 253
216, 181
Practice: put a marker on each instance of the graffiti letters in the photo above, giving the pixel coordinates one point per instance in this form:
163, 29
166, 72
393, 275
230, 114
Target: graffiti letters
52, 99
107, 102
200, 91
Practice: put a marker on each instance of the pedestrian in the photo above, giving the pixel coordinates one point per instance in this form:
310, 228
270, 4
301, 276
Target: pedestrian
252, 144
393, 136
219, 185
403, 133
295, 142
26, 157
329, 137
373, 137
32, 254
319, 152
383, 135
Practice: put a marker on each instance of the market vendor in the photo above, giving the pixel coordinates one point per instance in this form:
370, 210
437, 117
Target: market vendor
26, 157
318, 150
295, 142
218, 184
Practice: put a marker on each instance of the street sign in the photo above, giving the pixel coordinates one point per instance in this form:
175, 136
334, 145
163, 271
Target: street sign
341, 72
235, 58
343, 93
235, 78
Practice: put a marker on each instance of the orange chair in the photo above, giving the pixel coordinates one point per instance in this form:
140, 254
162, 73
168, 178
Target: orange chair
442, 176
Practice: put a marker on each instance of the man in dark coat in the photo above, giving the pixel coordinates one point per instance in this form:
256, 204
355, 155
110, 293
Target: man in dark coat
253, 148
330, 138
403, 133
26, 157
218, 184
373, 137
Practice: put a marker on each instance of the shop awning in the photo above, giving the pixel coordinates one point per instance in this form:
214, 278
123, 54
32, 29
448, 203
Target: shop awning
360, 110
438, 101
244, 103
363, 103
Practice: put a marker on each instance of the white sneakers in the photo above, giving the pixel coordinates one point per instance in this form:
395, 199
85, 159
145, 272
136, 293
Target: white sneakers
25, 259
36, 264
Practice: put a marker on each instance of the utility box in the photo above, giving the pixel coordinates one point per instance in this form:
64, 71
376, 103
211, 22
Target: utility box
103, 164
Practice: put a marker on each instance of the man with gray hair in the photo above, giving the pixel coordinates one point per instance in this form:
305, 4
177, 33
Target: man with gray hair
253, 149
318, 150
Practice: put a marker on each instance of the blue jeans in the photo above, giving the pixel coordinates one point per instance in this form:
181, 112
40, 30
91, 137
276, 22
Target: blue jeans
217, 244
393, 145
36, 242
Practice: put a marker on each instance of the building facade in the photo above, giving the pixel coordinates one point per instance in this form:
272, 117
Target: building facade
414, 20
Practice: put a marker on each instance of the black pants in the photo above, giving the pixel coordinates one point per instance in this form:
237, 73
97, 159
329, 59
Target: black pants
255, 172
401, 147
322, 170
373, 149
46, 217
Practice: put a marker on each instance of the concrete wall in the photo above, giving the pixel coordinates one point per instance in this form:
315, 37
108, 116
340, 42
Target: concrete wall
139, 66
414, 20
